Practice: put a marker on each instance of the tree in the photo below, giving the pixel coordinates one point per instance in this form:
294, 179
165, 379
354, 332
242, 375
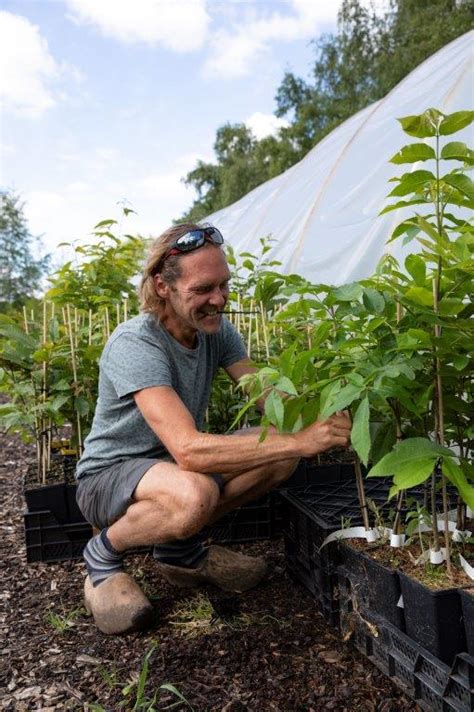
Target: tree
361, 63
20, 272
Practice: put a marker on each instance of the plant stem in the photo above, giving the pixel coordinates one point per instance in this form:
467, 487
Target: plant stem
361, 492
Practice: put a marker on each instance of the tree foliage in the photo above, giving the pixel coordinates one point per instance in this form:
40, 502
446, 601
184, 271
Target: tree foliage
369, 54
20, 272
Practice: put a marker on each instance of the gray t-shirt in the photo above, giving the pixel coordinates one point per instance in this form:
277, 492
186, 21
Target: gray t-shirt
140, 354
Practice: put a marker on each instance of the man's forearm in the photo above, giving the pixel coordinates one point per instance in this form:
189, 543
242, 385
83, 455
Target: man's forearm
230, 455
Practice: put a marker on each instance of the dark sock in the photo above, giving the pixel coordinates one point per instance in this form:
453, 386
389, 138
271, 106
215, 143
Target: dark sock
102, 560
186, 553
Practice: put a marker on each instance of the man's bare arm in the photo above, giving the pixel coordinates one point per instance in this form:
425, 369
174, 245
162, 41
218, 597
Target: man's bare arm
169, 418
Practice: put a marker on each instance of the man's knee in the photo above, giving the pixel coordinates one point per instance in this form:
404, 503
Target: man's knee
279, 472
197, 501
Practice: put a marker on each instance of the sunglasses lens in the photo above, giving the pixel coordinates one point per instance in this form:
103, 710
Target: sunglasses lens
196, 238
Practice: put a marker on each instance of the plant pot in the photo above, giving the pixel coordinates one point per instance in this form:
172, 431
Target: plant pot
467, 606
376, 587
433, 618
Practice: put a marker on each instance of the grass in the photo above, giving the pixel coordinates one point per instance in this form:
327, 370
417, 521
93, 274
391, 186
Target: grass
197, 616
137, 698
63, 623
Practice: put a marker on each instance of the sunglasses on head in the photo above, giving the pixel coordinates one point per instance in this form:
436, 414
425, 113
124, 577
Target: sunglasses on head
192, 240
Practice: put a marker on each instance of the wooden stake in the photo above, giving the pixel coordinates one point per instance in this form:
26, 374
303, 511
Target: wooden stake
74, 374
264, 329
25, 321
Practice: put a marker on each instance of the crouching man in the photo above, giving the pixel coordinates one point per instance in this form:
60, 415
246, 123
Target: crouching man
148, 475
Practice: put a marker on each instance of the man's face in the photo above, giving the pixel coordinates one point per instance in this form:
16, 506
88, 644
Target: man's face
194, 300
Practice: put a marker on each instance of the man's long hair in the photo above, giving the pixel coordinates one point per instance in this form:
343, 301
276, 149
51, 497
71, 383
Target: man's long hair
170, 270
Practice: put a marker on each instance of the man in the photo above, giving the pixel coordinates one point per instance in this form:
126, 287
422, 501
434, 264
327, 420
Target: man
148, 475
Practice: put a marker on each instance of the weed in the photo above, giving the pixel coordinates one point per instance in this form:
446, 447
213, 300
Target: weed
63, 623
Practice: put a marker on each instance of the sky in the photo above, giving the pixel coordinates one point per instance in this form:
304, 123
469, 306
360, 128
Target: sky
110, 102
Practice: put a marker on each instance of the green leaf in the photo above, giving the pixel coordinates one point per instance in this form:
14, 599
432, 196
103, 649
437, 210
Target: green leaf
460, 362
449, 306
414, 339
411, 182
413, 473
456, 150
274, 410
58, 402
422, 125
81, 405
348, 292
455, 122
416, 266
408, 451
420, 295
286, 386
341, 400
455, 475
403, 204
105, 223
373, 301
461, 182
383, 441
414, 152
360, 435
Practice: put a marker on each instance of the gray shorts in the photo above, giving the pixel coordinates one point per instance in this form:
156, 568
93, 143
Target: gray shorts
104, 496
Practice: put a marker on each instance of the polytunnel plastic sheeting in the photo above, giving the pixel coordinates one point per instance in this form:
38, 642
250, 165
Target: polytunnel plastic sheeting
323, 213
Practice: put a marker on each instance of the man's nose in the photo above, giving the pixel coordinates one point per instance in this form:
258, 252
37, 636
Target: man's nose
219, 296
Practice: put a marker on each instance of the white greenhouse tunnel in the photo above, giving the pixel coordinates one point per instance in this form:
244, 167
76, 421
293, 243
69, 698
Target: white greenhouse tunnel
323, 212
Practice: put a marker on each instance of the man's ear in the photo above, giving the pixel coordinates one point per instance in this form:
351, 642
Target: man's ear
161, 287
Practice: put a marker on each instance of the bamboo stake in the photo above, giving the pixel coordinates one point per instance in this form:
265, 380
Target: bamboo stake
249, 337
308, 332
89, 337
44, 440
25, 321
257, 335
440, 430
74, 374
117, 312
125, 309
264, 330
76, 326
107, 323
238, 312
401, 494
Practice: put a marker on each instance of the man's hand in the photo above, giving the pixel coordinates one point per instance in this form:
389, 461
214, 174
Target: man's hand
322, 435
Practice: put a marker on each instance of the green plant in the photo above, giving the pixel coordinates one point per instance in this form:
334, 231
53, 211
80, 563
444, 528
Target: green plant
63, 623
49, 360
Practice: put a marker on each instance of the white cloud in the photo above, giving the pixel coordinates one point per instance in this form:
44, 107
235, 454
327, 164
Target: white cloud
235, 52
263, 125
26, 67
179, 26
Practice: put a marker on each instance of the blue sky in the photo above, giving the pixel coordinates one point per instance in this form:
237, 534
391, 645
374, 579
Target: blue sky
111, 100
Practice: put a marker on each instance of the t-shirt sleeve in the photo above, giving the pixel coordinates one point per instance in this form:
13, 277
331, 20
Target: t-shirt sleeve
232, 347
133, 363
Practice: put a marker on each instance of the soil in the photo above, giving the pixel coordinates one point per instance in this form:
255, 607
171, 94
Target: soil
266, 650
432, 576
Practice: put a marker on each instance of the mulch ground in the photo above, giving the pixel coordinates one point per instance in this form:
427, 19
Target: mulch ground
268, 649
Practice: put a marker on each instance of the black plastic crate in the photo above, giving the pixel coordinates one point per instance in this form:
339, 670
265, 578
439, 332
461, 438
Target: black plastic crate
251, 522
263, 518
49, 540
426, 679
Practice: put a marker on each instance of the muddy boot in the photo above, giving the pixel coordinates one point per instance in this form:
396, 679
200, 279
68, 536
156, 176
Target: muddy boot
117, 604
223, 568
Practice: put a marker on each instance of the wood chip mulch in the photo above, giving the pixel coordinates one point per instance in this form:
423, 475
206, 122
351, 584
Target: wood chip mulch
266, 650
